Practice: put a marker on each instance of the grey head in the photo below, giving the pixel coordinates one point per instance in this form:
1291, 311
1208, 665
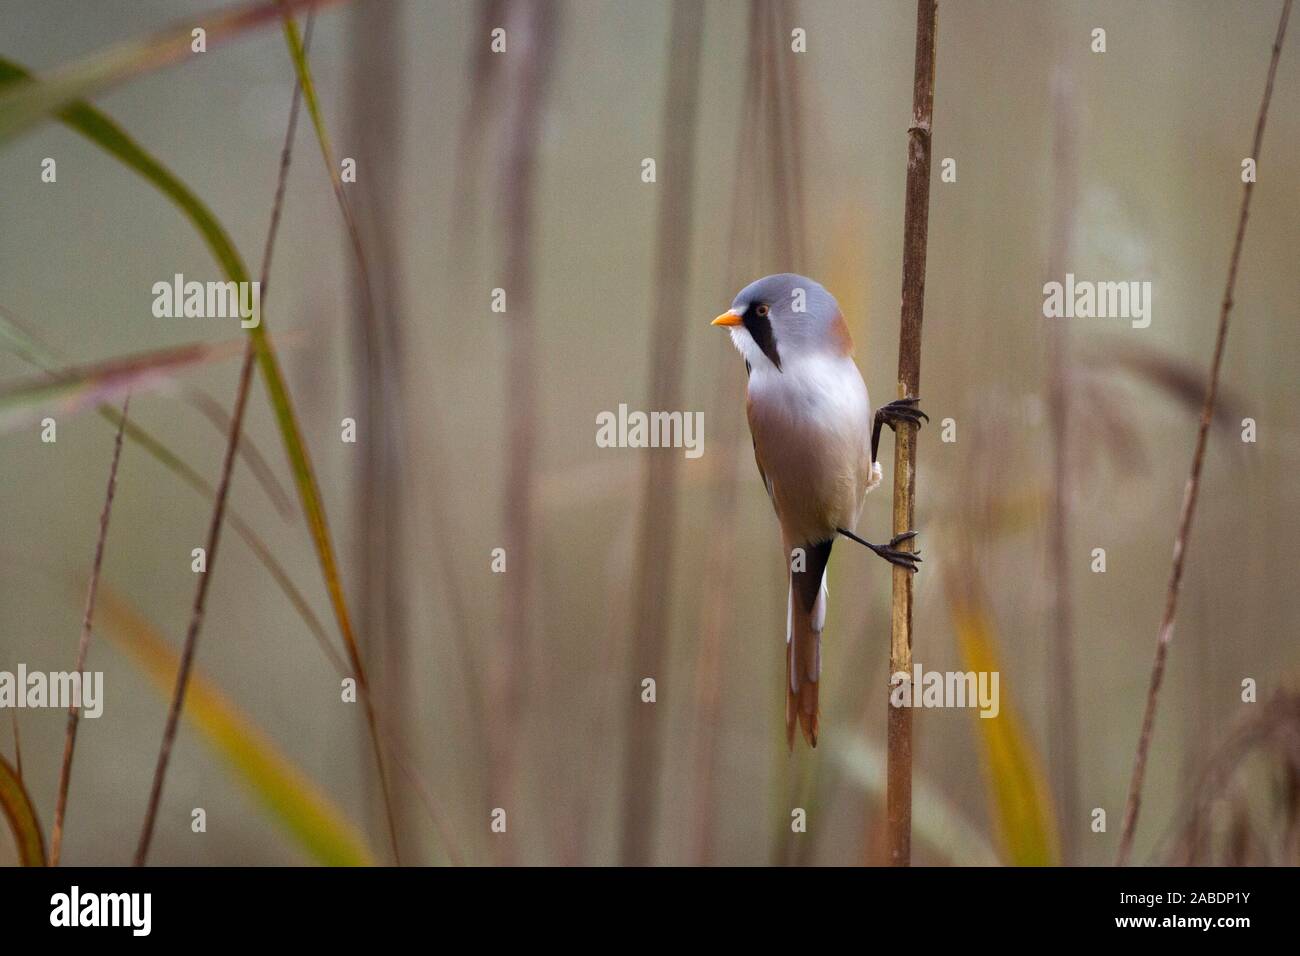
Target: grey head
784, 316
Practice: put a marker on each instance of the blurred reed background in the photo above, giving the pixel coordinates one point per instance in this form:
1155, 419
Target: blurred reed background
477, 430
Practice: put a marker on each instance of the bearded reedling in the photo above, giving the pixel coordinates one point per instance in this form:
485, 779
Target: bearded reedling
815, 442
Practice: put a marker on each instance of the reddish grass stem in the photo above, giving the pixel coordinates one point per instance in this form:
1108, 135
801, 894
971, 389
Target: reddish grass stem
1166, 632
219, 505
83, 647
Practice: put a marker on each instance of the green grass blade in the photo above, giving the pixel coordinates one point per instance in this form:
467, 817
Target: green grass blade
28, 104
18, 810
25, 345
108, 135
298, 53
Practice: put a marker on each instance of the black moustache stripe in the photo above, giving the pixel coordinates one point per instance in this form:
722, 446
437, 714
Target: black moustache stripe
760, 329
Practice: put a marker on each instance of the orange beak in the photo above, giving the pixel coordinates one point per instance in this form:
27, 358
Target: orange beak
730, 317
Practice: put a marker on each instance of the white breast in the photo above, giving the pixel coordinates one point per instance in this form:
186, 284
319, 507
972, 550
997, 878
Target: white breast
812, 432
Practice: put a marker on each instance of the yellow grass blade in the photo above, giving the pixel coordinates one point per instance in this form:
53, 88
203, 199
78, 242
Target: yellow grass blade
109, 136
18, 810
315, 823
1019, 797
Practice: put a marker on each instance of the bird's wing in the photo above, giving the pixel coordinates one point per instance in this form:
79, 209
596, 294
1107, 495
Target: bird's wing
767, 483
758, 457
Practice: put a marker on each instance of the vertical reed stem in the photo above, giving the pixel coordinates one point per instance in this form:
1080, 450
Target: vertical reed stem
659, 500
376, 117
898, 793
532, 28
1192, 490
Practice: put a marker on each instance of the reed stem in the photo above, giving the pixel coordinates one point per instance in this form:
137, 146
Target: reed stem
1166, 632
916, 217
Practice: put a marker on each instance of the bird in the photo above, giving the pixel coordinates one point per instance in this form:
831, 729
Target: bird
815, 441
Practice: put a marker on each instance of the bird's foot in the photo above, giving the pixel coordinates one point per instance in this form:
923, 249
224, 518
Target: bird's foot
902, 410
895, 413
891, 552
907, 560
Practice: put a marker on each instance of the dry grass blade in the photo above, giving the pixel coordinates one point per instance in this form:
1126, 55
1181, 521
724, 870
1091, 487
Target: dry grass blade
30, 348
258, 466
19, 338
1260, 759
16, 804
1183, 382
83, 646
186, 663
30, 103
70, 390
105, 133
1166, 632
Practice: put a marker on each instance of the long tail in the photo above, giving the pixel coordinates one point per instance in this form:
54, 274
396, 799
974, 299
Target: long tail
806, 618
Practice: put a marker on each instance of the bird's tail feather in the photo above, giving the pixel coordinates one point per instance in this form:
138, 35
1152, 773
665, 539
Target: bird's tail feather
807, 616
802, 667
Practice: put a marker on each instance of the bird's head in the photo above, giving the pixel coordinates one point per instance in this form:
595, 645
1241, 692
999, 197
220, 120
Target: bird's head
783, 318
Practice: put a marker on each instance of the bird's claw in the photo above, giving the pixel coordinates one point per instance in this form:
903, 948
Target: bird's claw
903, 410
907, 560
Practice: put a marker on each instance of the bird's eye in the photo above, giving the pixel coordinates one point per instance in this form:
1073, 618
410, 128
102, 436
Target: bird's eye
762, 311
